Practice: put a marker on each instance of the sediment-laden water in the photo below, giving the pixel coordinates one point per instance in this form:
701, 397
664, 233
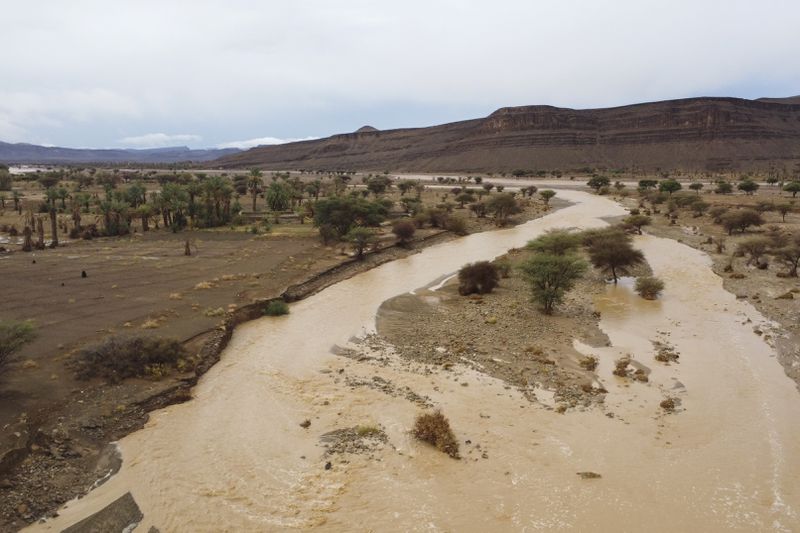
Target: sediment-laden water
235, 458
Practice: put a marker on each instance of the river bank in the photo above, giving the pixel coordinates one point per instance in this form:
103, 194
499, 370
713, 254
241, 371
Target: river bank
777, 298
58, 455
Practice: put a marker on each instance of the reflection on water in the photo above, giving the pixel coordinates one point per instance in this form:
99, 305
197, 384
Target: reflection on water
236, 459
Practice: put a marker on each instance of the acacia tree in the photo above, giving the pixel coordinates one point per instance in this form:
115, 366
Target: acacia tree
790, 255
637, 222
341, 213
669, 186
464, 198
550, 277
598, 182
378, 185
555, 242
748, 186
547, 195
723, 187
784, 209
754, 248
793, 187
360, 238
696, 186
502, 206
405, 186
741, 220
611, 251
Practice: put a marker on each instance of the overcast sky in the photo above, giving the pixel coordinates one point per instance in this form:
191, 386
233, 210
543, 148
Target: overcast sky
146, 73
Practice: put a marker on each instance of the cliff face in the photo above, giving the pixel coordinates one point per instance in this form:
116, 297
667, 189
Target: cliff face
691, 134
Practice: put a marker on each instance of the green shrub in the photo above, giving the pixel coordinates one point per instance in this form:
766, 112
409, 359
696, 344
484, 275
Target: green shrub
480, 277
457, 225
436, 216
328, 234
434, 428
120, 357
649, 287
276, 308
404, 230
503, 268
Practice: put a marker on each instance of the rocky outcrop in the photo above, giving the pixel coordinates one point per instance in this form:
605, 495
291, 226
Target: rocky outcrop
690, 134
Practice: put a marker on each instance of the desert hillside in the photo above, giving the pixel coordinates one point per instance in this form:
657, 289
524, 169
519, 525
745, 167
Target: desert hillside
691, 134
23, 153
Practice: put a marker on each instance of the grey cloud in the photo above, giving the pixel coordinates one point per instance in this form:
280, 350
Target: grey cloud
82, 73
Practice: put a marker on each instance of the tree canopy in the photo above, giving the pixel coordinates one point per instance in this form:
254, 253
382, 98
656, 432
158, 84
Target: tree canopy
344, 212
551, 276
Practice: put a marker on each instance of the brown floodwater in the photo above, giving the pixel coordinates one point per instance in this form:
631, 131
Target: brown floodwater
236, 459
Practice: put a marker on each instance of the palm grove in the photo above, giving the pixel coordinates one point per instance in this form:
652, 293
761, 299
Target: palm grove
89, 203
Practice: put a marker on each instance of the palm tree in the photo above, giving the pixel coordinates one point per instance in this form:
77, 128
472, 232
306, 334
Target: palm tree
53, 228
279, 196
76, 217
254, 185
145, 211
215, 189
314, 188
51, 195
40, 231
27, 245
194, 188
62, 194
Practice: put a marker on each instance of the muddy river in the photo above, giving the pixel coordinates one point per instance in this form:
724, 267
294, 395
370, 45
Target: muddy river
235, 458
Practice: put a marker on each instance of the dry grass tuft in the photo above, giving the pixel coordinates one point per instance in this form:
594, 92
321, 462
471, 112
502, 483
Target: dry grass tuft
368, 431
434, 428
121, 357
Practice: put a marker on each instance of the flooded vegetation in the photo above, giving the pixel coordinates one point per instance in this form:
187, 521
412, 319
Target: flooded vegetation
705, 442
394, 266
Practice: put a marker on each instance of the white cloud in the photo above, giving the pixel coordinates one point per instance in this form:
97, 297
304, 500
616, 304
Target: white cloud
261, 141
326, 67
28, 115
159, 140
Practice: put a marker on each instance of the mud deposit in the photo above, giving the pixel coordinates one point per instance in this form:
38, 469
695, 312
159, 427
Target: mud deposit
239, 456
